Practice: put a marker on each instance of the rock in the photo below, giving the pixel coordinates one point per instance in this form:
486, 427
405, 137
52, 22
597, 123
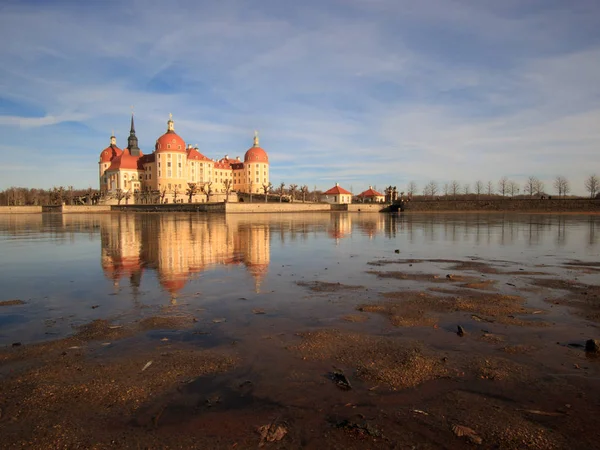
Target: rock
592, 346
397, 251
16, 344
340, 380
449, 276
271, 433
460, 331
469, 433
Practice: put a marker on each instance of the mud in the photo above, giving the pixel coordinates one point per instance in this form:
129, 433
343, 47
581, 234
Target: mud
518, 377
11, 302
416, 308
584, 299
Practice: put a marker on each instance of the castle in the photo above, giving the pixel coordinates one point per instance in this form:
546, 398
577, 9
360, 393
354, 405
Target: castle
175, 170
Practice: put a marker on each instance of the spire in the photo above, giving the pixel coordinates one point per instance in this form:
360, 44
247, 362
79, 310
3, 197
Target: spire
255, 138
132, 140
170, 124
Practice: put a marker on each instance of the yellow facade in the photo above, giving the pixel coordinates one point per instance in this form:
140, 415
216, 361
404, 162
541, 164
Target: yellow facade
173, 168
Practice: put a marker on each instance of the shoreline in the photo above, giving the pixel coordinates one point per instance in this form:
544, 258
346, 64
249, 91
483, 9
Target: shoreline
546, 206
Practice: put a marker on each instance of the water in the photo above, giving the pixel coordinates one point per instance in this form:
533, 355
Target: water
71, 269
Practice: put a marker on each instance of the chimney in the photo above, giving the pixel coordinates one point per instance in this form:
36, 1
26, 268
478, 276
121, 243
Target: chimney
337, 184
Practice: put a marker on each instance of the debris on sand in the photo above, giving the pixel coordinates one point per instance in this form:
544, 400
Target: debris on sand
460, 331
258, 311
219, 320
469, 433
592, 346
383, 360
148, 364
340, 380
361, 429
271, 432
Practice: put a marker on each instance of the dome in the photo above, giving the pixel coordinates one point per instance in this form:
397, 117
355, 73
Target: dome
109, 153
256, 154
170, 141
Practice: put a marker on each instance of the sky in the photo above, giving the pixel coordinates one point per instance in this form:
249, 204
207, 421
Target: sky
360, 92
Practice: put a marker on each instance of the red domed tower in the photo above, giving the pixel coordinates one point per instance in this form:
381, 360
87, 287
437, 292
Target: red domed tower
107, 155
256, 167
171, 161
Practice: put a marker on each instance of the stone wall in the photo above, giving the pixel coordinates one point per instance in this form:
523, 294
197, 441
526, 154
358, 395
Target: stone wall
366, 207
85, 209
275, 207
172, 207
20, 209
507, 204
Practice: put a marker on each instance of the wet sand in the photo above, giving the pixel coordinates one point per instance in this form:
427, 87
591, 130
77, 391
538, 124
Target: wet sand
446, 354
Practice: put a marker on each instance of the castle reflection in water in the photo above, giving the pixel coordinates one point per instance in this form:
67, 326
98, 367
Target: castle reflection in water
180, 247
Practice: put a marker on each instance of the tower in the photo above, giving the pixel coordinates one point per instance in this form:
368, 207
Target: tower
132, 141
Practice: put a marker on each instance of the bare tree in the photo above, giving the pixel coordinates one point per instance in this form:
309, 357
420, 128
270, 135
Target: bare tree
411, 188
163, 194
503, 185
228, 183
561, 184
304, 191
490, 188
513, 188
467, 189
281, 191
175, 193
454, 188
191, 191
266, 189
251, 185
431, 189
119, 195
127, 197
592, 185
293, 188
446, 189
206, 188
479, 187
539, 187
531, 186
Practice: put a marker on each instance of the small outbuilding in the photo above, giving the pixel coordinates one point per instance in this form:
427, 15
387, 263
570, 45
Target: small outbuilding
371, 196
337, 195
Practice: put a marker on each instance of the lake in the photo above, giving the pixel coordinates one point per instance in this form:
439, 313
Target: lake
263, 288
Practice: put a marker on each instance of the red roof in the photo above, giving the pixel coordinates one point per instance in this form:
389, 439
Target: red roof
109, 153
370, 193
337, 190
195, 155
126, 161
256, 154
170, 142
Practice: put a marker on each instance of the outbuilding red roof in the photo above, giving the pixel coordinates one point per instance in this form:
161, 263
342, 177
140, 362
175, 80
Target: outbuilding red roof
370, 193
337, 190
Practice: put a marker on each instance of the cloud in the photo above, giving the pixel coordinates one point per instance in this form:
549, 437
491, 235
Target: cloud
370, 92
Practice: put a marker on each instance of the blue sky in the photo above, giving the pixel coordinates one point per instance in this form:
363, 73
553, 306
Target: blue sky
362, 92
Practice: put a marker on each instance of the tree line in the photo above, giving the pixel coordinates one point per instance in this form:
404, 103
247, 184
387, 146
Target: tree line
532, 187
58, 195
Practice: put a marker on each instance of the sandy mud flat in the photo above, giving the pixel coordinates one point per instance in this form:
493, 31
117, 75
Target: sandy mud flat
413, 353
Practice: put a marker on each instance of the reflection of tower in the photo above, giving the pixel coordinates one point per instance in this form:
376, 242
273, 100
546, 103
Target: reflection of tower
340, 227
254, 243
121, 246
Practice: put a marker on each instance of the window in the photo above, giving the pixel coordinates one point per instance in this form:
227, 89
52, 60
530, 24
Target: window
169, 164
168, 145
179, 164
169, 173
